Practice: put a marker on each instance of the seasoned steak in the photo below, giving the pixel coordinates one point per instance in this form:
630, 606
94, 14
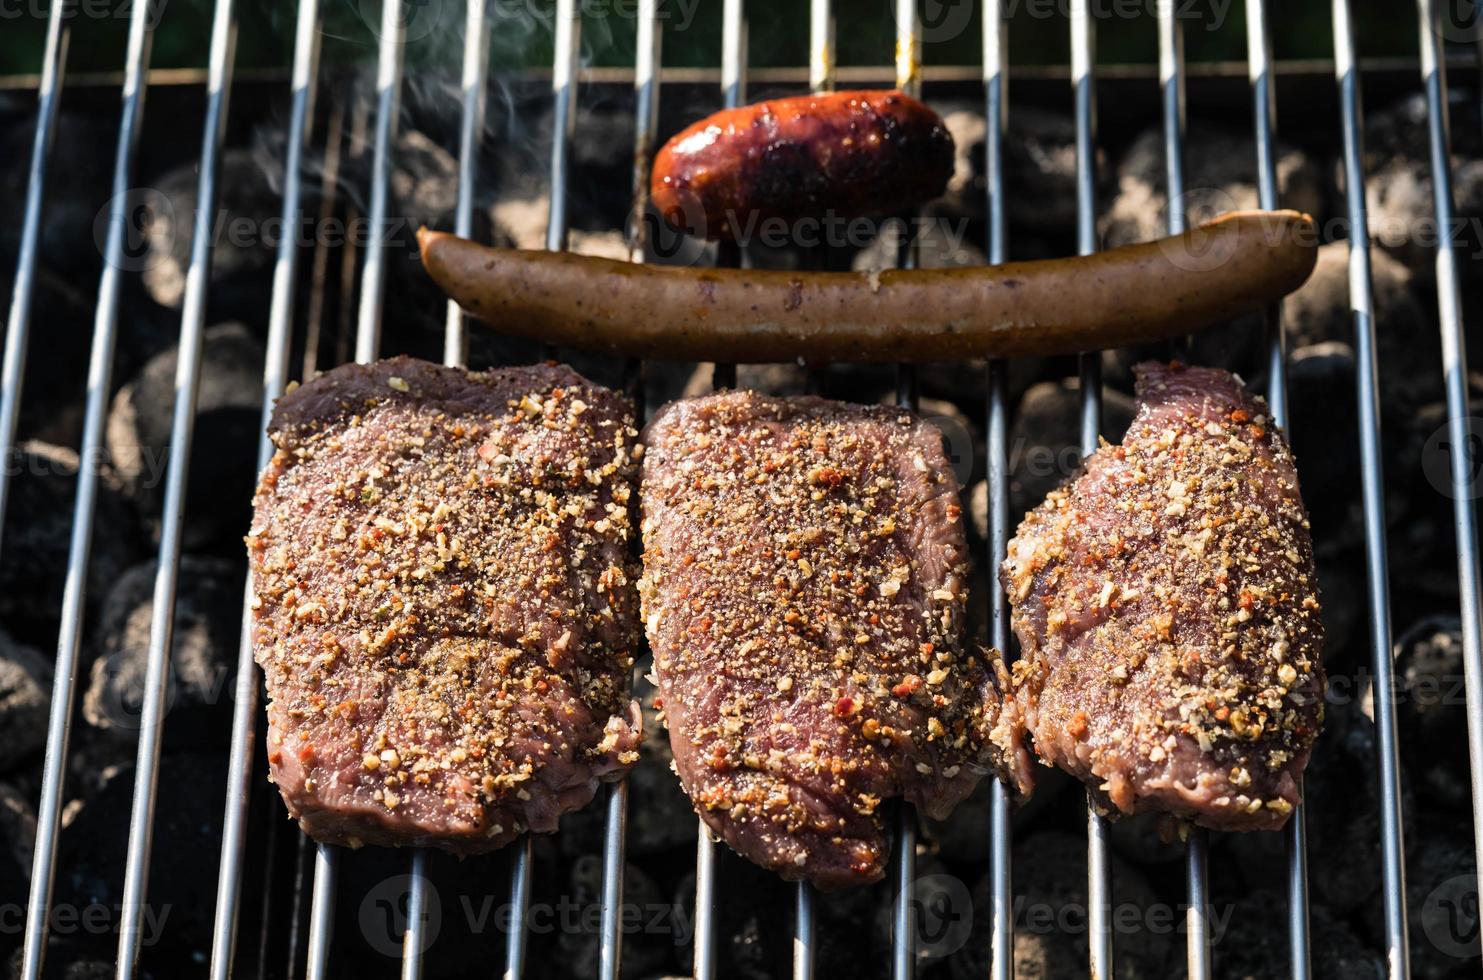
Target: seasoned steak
443, 601
803, 592
1167, 612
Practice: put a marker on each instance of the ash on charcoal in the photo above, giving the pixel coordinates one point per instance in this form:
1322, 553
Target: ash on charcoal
203, 653
58, 342
1045, 439
244, 239
224, 451
661, 818
1254, 946
1342, 798
963, 838
1140, 839
1324, 436
1050, 909
648, 940
754, 934
1341, 589
1040, 182
66, 963
1442, 913
1218, 178
1398, 193
187, 835
1431, 710
38, 533
1418, 488
1407, 344
17, 832
67, 242
25, 695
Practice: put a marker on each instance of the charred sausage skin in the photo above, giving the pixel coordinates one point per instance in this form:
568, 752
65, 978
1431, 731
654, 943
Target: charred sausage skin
842, 154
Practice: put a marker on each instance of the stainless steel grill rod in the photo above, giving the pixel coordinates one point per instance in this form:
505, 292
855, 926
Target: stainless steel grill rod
322, 910
1361, 301
821, 55
1001, 839
1264, 112
647, 59
820, 79
1083, 82
564, 93
471, 128
414, 945
99, 385
707, 913
733, 91
275, 376
1454, 372
391, 38
391, 49
568, 36
172, 520
1171, 89
390, 56
903, 917
17, 333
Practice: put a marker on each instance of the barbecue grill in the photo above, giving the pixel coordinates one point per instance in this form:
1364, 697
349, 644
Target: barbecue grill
313, 950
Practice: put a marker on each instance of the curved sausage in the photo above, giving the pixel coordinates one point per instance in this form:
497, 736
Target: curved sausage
842, 154
1237, 263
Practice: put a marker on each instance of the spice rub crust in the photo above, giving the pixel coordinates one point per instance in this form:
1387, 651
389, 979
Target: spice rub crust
443, 601
803, 593
1167, 610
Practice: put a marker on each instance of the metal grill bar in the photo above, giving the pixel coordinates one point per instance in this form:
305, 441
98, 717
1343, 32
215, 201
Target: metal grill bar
99, 384
821, 57
706, 852
12, 371
275, 376
646, 69
904, 931
1264, 114
471, 128
389, 55
1001, 842
1361, 301
1083, 82
1171, 89
322, 910
733, 91
413, 944
1454, 373
182, 430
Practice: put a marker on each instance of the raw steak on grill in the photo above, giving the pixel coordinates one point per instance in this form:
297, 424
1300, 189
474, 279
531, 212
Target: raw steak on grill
803, 592
1167, 612
443, 597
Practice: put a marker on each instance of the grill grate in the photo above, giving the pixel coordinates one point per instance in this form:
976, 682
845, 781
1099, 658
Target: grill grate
733, 59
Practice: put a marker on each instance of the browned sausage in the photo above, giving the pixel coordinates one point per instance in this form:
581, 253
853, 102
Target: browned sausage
844, 154
1237, 263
